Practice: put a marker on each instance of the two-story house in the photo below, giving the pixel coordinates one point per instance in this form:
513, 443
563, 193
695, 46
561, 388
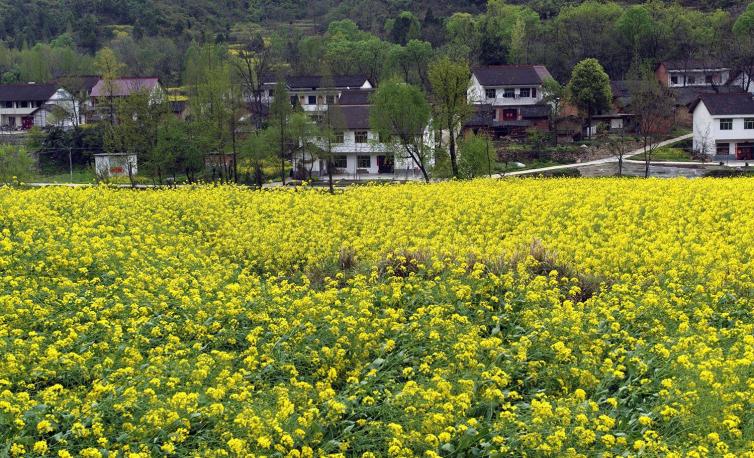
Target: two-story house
724, 125
358, 151
105, 93
314, 93
692, 72
509, 98
23, 106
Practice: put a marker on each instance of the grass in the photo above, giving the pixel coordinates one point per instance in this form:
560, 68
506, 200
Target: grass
667, 153
79, 175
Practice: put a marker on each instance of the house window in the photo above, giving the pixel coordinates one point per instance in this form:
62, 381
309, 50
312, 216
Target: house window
24, 104
8, 104
490, 93
364, 162
294, 100
523, 92
691, 80
340, 162
749, 123
361, 136
708, 79
330, 100
312, 100
534, 92
726, 124
509, 93
722, 149
674, 79
339, 137
270, 92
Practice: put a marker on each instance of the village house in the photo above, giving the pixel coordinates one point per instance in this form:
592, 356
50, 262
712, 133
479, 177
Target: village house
358, 150
724, 125
313, 92
692, 72
23, 106
508, 99
106, 92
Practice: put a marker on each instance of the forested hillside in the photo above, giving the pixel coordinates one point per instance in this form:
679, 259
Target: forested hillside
46, 39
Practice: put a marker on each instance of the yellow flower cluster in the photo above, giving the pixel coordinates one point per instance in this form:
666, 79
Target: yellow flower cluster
530, 317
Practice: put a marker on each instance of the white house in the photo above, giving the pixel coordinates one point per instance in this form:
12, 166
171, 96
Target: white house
724, 125
108, 165
23, 106
511, 95
313, 92
692, 72
358, 150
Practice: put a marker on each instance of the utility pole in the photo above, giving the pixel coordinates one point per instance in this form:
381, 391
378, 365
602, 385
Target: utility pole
70, 163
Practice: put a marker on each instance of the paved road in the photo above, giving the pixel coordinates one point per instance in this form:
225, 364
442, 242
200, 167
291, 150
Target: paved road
606, 160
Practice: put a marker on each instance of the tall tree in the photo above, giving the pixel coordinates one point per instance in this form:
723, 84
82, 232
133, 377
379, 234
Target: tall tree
653, 105
450, 83
280, 113
109, 68
331, 125
400, 112
589, 89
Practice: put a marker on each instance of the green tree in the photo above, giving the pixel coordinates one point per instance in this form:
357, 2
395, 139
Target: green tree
589, 89
411, 61
554, 95
400, 112
331, 123
140, 117
303, 133
404, 28
256, 149
280, 113
109, 68
450, 83
16, 164
477, 156
635, 28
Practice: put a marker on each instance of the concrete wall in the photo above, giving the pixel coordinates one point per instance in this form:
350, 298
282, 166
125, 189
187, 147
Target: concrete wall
707, 133
476, 94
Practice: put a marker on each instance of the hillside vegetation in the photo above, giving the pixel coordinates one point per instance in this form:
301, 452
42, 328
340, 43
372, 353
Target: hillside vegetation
531, 317
43, 40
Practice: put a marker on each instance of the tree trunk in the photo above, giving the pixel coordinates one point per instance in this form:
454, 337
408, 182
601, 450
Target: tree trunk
282, 153
235, 154
646, 159
329, 176
452, 149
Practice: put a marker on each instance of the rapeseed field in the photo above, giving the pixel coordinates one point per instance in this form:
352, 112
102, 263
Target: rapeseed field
561, 317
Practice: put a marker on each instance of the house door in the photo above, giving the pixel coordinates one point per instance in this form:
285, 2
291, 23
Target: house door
27, 122
510, 114
385, 164
745, 151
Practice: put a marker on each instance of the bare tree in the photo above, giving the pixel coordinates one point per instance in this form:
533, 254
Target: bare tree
653, 105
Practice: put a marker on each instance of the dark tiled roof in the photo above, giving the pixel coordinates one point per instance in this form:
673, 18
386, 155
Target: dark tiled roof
685, 96
316, 81
482, 116
125, 86
535, 111
694, 64
726, 104
355, 117
26, 92
77, 83
514, 75
355, 97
